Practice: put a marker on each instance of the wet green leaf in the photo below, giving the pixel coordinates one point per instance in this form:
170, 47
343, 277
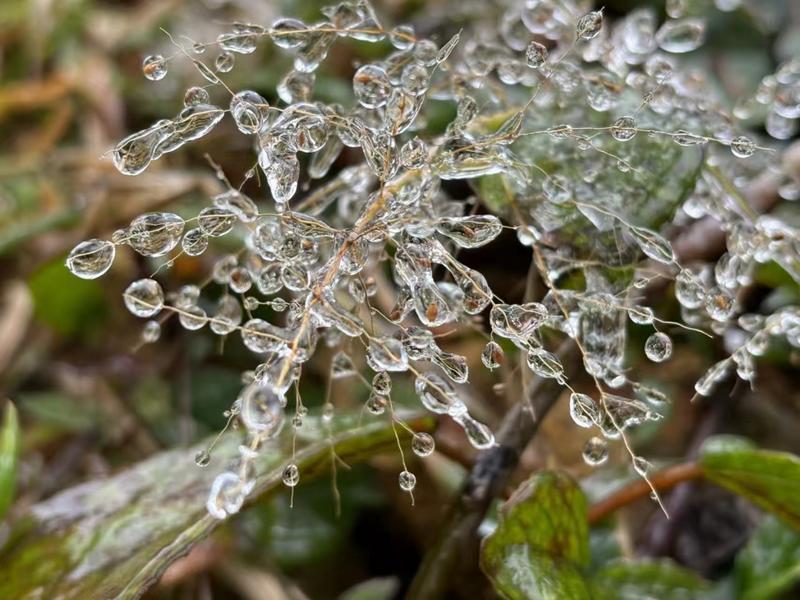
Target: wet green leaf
770, 562
767, 478
625, 580
9, 452
541, 543
115, 537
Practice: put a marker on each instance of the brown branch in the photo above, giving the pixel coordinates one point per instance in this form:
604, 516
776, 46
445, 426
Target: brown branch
662, 481
457, 543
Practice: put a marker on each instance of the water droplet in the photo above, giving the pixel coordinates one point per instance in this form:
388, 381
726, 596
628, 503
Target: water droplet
470, 232
681, 35
589, 25
595, 452
224, 62
144, 298
658, 347
91, 259
262, 410
624, 129
376, 404
387, 354
492, 355
194, 242
216, 221
151, 332
249, 110
192, 317
154, 67
641, 466
719, 304
342, 366
155, 234
422, 444
684, 138
226, 496
291, 476
289, 33
371, 86
382, 383
641, 315
742, 147
195, 95
402, 37
478, 434
535, 55
202, 458
583, 410
407, 480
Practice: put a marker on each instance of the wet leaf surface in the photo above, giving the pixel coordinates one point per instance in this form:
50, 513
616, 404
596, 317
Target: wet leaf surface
113, 538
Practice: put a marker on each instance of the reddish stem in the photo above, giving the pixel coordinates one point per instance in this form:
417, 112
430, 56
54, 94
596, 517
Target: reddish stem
662, 481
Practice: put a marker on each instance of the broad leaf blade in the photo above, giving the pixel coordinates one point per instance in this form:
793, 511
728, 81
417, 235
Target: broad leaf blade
770, 562
541, 542
624, 580
767, 478
115, 537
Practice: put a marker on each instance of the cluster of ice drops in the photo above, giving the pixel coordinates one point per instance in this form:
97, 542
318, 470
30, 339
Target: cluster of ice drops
318, 259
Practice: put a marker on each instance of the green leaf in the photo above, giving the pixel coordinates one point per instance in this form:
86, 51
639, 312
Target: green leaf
9, 451
767, 478
770, 562
541, 543
115, 537
625, 580
72, 307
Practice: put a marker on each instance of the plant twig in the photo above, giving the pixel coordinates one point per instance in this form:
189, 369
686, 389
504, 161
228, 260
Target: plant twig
636, 490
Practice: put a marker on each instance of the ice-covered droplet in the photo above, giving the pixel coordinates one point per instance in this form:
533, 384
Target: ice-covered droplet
226, 496
202, 458
371, 86
154, 67
589, 25
387, 354
536, 55
262, 410
478, 434
195, 95
91, 259
742, 147
470, 232
342, 365
151, 332
595, 452
291, 475
382, 383
250, 111
583, 410
422, 444
492, 355
624, 129
144, 298
224, 62
288, 33
407, 481
658, 347
681, 35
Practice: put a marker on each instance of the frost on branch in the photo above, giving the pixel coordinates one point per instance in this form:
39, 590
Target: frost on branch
581, 134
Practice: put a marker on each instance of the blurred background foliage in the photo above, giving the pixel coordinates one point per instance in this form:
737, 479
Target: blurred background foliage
91, 402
